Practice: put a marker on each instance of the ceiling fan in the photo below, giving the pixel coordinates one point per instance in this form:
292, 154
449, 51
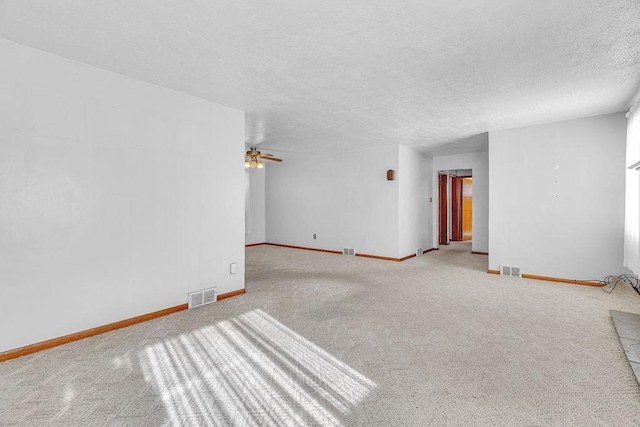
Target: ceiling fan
253, 156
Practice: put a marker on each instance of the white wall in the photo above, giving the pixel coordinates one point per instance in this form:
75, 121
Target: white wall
116, 197
257, 228
345, 199
415, 213
557, 197
479, 163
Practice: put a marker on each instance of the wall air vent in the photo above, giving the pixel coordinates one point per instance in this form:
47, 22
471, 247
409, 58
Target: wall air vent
203, 297
419, 251
349, 251
510, 271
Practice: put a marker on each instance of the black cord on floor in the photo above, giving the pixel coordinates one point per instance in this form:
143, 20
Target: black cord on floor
629, 279
607, 281
632, 281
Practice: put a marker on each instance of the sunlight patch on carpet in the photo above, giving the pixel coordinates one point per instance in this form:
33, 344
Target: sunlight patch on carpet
251, 370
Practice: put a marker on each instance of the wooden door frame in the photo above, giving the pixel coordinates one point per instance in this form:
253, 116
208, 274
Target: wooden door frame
456, 208
467, 237
443, 206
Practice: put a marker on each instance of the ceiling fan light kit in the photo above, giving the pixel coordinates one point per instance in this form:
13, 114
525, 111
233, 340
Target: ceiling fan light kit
253, 159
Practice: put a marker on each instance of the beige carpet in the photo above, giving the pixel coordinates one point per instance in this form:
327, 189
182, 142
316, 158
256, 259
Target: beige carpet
324, 339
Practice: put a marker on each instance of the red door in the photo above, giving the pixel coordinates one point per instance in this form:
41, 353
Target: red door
443, 211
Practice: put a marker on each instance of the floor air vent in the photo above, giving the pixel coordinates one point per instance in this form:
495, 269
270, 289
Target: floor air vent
203, 297
349, 251
510, 271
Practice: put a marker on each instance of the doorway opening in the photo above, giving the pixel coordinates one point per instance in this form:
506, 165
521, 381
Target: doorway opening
455, 206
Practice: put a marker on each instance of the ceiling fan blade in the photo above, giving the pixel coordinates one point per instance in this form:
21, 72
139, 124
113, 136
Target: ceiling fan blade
264, 155
275, 159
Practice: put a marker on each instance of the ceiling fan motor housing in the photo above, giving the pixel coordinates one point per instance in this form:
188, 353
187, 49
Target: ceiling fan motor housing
253, 159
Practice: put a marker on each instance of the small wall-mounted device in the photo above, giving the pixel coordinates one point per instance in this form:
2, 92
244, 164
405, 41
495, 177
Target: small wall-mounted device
391, 175
233, 268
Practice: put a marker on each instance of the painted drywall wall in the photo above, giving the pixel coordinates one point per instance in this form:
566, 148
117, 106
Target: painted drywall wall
255, 211
345, 199
117, 197
479, 164
415, 190
557, 198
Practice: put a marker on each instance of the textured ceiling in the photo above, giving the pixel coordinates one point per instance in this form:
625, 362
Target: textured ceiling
349, 74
